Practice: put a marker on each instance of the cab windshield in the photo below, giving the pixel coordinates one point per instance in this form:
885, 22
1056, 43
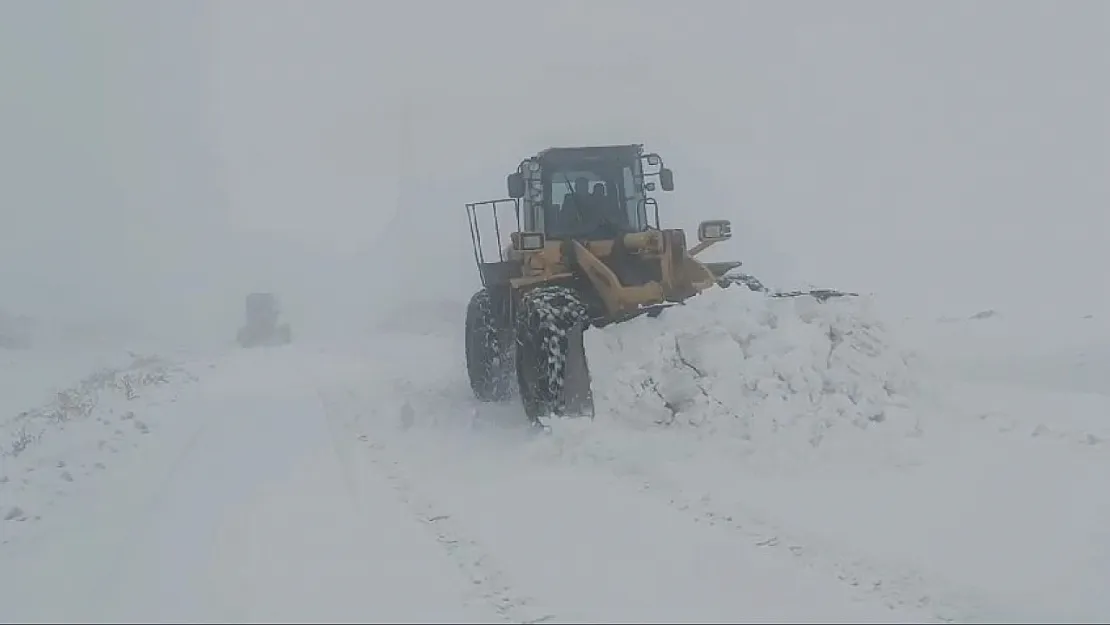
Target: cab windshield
594, 199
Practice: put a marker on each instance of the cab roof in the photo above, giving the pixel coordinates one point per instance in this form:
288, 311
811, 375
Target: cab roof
629, 151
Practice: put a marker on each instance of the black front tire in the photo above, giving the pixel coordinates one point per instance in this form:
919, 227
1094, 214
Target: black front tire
486, 362
545, 318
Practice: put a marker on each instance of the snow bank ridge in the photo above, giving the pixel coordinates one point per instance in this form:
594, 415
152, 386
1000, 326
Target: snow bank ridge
80, 401
739, 363
72, 435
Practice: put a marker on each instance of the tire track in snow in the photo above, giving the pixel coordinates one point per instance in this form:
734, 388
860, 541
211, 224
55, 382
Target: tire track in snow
897, 587
491, 584
94, 569
895, 584
153, 501
892, 587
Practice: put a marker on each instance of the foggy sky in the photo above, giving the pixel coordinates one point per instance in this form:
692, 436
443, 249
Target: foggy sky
161, 159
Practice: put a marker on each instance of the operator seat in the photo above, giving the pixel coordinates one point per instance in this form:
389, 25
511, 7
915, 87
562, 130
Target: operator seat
607, 205
576, 208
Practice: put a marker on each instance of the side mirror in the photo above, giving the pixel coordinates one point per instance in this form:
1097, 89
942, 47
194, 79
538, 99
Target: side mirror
515, 182
666, 179
714, 230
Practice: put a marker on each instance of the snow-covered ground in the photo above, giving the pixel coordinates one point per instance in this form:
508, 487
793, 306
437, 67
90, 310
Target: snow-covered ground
751, 460
48, 450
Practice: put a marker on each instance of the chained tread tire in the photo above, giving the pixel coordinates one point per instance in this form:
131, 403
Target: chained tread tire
544, 318
486, 361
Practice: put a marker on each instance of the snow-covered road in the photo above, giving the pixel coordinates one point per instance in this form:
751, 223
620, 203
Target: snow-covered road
364, 483
243, 510
265, 502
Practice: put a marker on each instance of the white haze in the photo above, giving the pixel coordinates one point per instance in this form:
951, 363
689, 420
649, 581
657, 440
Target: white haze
158, 160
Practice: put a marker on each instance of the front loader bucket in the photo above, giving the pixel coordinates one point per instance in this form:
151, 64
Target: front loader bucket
821, 295
753, 283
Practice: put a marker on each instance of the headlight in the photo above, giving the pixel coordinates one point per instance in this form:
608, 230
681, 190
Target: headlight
714, 230
530, 241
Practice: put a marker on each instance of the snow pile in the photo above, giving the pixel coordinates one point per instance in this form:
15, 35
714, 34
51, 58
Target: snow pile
44, 449
736, 364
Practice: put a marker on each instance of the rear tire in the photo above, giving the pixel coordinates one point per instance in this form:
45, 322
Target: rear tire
546, 319
486, 358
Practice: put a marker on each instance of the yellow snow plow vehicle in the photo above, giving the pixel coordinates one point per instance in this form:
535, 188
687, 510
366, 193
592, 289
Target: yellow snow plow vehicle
587, 250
